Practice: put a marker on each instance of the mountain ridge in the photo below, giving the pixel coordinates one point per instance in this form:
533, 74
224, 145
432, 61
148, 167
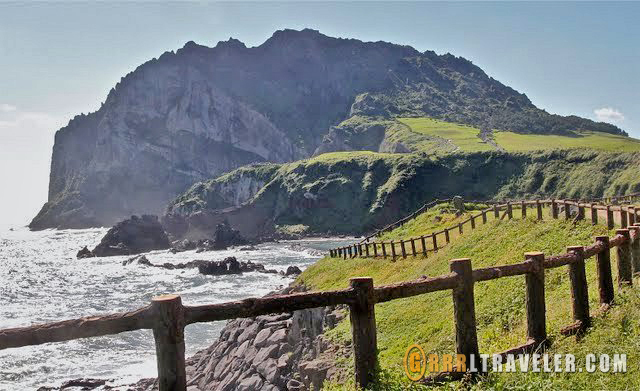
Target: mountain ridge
199, 112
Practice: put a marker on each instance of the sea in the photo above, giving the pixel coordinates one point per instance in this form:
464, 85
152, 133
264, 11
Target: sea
42, 281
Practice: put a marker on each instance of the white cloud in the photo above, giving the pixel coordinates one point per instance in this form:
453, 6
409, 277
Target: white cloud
608, 114
7, 108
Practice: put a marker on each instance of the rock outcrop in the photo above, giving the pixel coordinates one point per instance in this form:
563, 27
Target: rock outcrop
199, 112
229, 265
225, 236
272, 352
133, 236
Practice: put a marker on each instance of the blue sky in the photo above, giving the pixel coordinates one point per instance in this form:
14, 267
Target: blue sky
60, 59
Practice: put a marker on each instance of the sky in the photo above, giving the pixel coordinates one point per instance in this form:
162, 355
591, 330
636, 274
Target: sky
61, 59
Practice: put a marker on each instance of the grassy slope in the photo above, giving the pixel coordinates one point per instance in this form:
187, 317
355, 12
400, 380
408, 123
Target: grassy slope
596, 140
465, 138
428, 319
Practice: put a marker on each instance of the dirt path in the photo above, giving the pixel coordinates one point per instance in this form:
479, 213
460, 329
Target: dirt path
486, 135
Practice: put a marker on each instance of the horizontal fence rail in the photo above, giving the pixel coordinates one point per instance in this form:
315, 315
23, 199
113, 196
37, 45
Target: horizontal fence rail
425, 244
167, 316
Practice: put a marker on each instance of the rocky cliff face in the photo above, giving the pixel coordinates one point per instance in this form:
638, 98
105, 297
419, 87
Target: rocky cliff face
358, 192
196, 113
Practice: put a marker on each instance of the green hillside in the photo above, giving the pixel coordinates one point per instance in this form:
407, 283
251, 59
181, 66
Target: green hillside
428, 319
431, 135
356, 192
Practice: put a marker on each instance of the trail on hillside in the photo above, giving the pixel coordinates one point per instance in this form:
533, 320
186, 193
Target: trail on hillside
486, 135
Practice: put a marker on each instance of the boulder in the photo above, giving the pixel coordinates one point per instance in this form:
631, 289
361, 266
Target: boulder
293, 271
85, 253
458, 204
225, 236
133, 236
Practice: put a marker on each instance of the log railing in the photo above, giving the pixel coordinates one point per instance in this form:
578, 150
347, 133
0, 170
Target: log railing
167, 316
418, 212
425, 244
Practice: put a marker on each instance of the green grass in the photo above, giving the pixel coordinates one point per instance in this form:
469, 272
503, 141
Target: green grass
435, 136
500, 312
585, 139
464, 137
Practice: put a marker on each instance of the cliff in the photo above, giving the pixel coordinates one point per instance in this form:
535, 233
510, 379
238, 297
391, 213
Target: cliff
349, 192
199, 112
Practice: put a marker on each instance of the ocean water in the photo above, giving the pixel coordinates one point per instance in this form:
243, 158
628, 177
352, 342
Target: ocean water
42, 281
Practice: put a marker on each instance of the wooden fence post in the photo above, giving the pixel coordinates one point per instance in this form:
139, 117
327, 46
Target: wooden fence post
393, 250
509, 210
567, 211
375, 249
635, 248
446, 235
632, 214
554, 209
366, 249
350, 252
603, 267
496, 211
168, 332
623, 218
363, 330
594, 214
581, 213
413, 247
464, 311
424, 245
625, 271
404, 251
473, 222
610, 220
539, 209
523, 205
344, 252
536, 310
484, 216
384, 250
435, 243
579, 288
460, 228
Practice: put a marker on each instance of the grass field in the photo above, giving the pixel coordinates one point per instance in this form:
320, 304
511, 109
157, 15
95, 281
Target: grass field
462, 136
595, 140
500, 309
465, 138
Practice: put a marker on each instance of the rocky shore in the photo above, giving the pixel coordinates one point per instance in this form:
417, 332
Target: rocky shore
278, 352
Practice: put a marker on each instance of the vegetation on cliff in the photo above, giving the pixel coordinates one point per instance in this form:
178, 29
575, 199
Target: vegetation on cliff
347, 192
428, 319
436, 137
200, 112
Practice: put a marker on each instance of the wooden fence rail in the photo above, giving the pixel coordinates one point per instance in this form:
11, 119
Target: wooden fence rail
167, 316
627, 216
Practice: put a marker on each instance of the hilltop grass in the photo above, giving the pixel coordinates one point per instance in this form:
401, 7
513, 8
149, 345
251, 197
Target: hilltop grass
584, 139
423, 135
463, 136
500, 308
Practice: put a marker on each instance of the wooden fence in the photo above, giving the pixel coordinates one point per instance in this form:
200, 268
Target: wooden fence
418, 212
167, 316
423, 245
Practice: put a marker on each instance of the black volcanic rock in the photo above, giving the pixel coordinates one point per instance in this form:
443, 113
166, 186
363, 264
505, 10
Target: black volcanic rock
85, 253
199, 112
133, 236
225, 236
